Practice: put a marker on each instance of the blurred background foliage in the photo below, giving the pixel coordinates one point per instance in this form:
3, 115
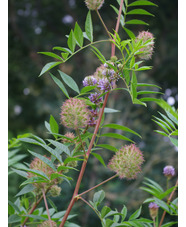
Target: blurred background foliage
36, 26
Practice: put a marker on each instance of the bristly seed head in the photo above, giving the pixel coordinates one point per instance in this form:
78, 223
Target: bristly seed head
94, 4
55, 191
146, 36
70, 136
47, 224
38, 164
127, 162
74, 113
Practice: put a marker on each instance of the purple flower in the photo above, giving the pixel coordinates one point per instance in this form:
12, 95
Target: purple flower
94, 113
104, 85
153, 208
169, 171
104, 72
113, 75
105, 65
92, 122
89, 81
94, 98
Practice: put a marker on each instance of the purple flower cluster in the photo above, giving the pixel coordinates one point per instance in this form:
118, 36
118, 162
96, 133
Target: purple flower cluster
92, 122
169, 171
104, 78
89, 81
94, 97
104, 85
94, 113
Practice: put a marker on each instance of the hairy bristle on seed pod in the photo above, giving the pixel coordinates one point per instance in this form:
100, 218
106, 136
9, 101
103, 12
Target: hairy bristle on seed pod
47, 224
74, 113
127, 162
147, 39
94, 4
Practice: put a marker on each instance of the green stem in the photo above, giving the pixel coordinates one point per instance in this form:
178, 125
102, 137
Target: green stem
106, 29
80, 139
91, 208
167, 183
90, 44
103, 182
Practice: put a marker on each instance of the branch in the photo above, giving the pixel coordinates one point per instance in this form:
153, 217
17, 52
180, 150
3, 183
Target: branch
168, 201
35, 206
117, 28
46, 205
74, 198
91, 207
103, 182
106, 29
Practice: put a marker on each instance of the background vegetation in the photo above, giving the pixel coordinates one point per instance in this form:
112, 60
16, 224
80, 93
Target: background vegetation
38, 26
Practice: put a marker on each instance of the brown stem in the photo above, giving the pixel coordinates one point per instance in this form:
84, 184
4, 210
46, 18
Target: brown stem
117, 28
168, 201
32, 210
84, 163
46, 205
103, 182
74, 198
35, 206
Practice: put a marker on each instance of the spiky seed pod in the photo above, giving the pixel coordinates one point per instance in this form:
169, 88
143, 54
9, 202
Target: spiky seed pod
145, 36
69, 135
74, 113
153, 209
100, 72
113, 59
94, 4
47, 224
55, 191
127, 162
38, 164
72, 164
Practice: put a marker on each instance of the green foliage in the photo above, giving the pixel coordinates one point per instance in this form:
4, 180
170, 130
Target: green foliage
111, 217
127, 10
159, 194
64, 154
169, 123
